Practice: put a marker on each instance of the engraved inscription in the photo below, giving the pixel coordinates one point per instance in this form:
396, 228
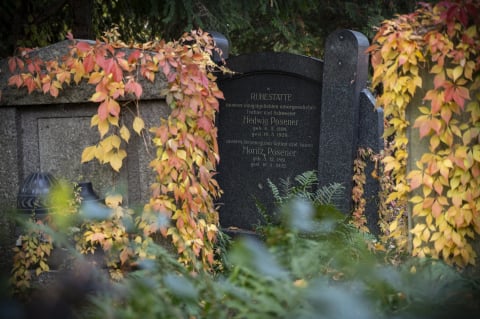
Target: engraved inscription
267, 140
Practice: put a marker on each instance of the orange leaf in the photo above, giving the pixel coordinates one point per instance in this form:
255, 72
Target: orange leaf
461, 94
134, 87
205, 123
415, 178
113, 107
15, 80
436, 209
103, 111
88, 63
98, 97
95, 77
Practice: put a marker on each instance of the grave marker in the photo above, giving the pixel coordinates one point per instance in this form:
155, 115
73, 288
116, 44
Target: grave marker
285, 114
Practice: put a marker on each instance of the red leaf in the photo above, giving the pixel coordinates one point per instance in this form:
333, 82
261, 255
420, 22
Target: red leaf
16, 80
134, 87
116, 71
205, 124
460, 95
134, 56
103, 110
83, 46
88, 63
123, 64
30, 83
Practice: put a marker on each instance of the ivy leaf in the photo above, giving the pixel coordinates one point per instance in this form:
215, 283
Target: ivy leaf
103, 127
103, 111
138, 125
416, 178
205, 123
15, 80
116, 161
83, 46
125, 133
113, 200
134, 87
98, 96
88, 153
113, 107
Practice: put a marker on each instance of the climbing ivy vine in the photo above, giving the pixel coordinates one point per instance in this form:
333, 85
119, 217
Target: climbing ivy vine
186, 142
439, 42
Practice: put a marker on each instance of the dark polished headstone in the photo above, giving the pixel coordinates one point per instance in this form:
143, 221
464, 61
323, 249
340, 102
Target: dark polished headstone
285, 114
268, 129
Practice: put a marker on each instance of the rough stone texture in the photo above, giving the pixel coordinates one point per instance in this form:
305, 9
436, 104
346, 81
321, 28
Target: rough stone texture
268, 129
345, 75
8, 178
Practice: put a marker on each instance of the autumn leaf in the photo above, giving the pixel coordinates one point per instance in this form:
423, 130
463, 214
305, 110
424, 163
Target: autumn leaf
125, 133
138, 125
134, 87
88, 153
113, 200
83, 46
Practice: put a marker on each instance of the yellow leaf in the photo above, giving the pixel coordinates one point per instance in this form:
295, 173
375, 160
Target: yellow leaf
416, 199
424, 110
113, 120
393, 226
125, 133
182, 154
88, 153
94, 120
476, 153
416, 242
116, 141
138, 125
100, 154
103, 127
457, 72
113, 200
116, 161
457, 239
98, 97
426, 235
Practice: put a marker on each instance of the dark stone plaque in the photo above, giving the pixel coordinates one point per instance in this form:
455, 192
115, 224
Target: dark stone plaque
268, 129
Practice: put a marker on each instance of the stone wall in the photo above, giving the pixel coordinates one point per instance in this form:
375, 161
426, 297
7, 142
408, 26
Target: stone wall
42, 133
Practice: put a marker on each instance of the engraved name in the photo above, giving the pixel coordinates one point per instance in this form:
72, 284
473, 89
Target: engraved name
256, 120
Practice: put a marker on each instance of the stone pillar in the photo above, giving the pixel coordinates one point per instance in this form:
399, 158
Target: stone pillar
371, 137
345, 76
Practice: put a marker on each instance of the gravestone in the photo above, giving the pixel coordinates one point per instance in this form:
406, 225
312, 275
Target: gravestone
268, 128
285, 114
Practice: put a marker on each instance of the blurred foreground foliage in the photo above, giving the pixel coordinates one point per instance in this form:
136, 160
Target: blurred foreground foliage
309, 263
